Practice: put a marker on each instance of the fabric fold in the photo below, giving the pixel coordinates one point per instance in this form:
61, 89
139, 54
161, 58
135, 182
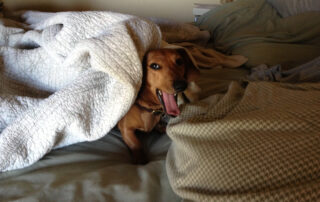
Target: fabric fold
89, 63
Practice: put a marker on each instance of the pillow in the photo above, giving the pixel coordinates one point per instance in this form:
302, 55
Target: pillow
293, 7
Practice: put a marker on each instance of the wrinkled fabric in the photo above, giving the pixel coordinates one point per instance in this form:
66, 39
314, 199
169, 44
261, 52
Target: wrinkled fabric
68, 78
309, 72
254, 29
255, 141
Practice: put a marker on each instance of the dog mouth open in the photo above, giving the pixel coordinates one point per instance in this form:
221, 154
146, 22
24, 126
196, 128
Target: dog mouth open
169, 103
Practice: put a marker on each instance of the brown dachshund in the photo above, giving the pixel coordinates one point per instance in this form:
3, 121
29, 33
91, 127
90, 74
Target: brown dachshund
167, 72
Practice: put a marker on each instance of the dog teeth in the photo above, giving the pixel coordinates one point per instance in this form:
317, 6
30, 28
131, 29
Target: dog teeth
159, 92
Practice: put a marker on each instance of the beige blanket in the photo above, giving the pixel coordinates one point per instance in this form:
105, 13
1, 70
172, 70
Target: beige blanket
258, 142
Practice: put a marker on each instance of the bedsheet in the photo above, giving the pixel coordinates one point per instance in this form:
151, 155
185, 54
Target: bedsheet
93, 171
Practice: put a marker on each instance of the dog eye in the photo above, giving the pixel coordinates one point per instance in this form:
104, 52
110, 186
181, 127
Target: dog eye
155, 66
179, 61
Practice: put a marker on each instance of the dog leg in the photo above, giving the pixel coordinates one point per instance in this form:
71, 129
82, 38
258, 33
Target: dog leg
134, 144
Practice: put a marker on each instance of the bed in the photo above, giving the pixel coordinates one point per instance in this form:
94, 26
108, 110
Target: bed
254, 134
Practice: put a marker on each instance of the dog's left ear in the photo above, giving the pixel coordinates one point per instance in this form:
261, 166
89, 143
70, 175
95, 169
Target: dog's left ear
192, 72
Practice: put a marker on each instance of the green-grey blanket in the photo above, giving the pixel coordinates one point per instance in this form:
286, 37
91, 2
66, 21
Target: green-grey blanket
253, 28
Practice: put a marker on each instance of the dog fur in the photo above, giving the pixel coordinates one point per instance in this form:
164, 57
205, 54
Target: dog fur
166, 71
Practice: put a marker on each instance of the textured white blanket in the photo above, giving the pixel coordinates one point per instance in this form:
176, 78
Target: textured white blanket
68, 79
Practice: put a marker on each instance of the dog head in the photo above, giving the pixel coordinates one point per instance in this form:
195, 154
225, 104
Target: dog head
167, 72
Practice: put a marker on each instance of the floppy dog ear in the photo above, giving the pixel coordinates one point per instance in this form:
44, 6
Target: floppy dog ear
192, 72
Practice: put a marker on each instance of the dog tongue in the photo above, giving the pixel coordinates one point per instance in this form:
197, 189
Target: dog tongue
170, 104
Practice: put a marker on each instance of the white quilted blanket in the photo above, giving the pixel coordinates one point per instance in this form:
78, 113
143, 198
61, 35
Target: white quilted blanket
69, 78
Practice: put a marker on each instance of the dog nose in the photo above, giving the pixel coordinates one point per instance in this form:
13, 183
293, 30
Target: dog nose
180, 85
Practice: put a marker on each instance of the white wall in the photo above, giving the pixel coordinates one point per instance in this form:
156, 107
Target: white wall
180, 10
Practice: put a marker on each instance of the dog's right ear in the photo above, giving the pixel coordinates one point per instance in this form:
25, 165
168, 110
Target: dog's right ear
192, 72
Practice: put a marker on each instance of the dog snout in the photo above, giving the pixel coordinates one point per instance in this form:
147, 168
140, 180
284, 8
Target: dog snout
180, 85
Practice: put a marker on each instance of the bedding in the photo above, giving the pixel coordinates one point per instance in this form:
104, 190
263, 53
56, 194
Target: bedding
247, 139
254, 29
293, 7
76, 58
258, 141
61, 75
308, 72
255, 139
69, 77
100, 170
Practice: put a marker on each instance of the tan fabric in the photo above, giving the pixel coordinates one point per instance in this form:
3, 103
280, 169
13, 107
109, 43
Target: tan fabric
255, 143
